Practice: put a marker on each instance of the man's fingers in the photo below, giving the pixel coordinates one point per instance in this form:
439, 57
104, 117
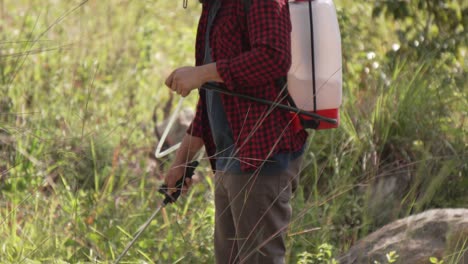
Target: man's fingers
169, 80
172, 188
171, 184
188, 182
183, 80
187, 185
175, 86
184, 92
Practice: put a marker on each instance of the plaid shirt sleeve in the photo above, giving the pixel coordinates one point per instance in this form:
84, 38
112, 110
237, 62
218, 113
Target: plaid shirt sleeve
269, 28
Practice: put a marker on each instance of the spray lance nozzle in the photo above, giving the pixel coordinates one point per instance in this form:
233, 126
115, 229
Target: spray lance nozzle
189, 170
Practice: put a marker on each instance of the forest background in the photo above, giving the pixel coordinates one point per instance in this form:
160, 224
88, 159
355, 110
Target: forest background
80, 82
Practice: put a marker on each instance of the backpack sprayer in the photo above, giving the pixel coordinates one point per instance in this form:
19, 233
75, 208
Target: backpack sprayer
315, 77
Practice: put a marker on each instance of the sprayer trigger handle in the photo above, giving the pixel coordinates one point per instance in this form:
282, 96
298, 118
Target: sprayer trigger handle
189, 170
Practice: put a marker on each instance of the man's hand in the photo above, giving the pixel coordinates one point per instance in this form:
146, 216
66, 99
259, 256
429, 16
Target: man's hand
189, 147
184, 80
172, 176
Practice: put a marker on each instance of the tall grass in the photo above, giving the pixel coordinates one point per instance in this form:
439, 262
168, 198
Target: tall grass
76, 137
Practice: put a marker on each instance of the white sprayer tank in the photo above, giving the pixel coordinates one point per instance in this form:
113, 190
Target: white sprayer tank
327, 49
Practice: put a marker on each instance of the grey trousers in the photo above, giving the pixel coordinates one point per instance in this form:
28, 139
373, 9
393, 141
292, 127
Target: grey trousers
253, 212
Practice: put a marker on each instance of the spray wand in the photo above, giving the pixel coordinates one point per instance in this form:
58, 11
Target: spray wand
189, 170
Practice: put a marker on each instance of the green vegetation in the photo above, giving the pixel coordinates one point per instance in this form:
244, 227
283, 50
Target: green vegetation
79, 82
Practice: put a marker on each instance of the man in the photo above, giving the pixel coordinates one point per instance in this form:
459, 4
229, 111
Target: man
254, 149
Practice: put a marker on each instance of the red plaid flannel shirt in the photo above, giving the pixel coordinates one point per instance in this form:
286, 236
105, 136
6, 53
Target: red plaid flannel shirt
252, 51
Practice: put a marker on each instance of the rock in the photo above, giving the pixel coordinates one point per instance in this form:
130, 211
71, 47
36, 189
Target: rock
440, 233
